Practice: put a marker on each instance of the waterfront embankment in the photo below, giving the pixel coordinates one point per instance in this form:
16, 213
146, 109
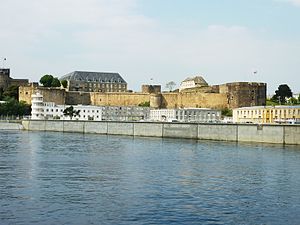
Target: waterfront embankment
277, 134
11, 125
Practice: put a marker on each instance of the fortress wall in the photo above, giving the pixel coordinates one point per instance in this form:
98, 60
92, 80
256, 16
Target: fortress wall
56, 95
243, 94
204, 100
194, 100
170, 100
116, 99
75, 98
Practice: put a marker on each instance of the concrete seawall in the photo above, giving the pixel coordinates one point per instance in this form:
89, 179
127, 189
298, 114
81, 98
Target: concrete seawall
4, 125
279, 134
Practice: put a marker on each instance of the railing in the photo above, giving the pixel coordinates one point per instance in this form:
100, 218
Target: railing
12, 117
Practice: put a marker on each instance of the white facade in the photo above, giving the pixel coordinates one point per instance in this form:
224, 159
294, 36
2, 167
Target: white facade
37, 106
48, 110
185, 115
193, 82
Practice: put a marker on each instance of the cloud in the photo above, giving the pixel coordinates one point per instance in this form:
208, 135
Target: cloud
294, 2
59, 36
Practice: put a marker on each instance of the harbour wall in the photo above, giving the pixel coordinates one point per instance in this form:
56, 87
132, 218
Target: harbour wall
279, 134
5, 125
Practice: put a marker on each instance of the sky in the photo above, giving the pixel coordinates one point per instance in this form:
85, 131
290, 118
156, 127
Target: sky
154, 41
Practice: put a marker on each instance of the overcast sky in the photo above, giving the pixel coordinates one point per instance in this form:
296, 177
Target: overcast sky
163, 40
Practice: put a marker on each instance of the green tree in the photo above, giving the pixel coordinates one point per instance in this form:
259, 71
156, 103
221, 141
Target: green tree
13, 107
293, 101
226, 112
283, 92
55, 82
170, 85
64, 83
71, 112
1, 93
144, 104
50, 81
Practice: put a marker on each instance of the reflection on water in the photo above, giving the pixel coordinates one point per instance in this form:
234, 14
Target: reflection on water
61, 178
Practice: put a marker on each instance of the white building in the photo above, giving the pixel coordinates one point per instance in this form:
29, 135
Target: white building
185, 115
48, 110
192, 82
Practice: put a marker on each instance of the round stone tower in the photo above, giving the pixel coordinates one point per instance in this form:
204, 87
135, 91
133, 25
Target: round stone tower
155, 101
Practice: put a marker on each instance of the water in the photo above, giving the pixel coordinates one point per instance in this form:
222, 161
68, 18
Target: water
61, 178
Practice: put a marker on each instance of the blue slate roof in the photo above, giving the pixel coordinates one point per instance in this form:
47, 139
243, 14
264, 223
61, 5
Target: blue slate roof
101, 77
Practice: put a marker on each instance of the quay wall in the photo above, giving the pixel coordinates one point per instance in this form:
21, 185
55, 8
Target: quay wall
279, 134
4, 125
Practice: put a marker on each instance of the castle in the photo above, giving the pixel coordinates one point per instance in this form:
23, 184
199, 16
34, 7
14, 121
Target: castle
229, 95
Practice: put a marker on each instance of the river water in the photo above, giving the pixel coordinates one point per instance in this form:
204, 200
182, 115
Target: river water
63, 178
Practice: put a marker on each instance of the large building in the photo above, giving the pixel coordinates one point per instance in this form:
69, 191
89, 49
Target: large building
267, 114
185, 115
193, 82
6, 81
85, 81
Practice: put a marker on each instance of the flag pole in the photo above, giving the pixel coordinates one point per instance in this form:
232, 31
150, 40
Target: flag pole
4, 59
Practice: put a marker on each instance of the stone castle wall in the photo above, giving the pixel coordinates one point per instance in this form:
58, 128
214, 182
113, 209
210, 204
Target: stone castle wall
56, 95
151, 88
243, 94
231, 95
115, 99
6, 81
194, 100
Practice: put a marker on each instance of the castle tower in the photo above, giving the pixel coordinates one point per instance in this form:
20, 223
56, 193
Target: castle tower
4, 78
37, 109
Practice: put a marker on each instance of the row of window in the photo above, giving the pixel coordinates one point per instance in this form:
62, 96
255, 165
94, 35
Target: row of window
272, 111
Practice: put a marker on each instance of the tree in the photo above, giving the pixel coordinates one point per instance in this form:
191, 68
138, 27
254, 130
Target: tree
293, 101
70, 111
170, 85
226, 112
64, 83
283, 92
50, 81
144, 104
13, 107
1, 93
55, 82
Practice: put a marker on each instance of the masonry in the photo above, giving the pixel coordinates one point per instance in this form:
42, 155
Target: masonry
6, 81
